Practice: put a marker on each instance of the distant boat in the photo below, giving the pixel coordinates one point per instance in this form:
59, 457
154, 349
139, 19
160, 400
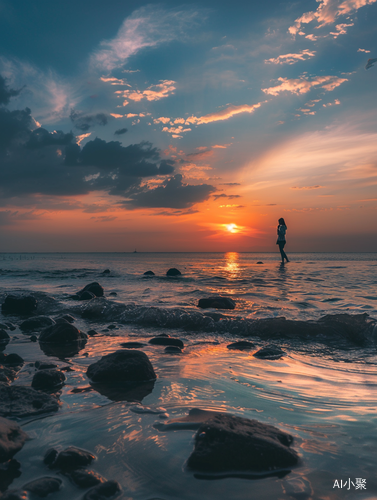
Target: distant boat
134, 251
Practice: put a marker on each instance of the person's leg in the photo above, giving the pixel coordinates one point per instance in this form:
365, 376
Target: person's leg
283, 254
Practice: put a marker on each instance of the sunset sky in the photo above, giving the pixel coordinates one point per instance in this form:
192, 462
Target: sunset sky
188, 127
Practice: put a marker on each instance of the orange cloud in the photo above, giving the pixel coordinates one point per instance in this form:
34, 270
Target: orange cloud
152, 93
291, 58
302, 86
224, 114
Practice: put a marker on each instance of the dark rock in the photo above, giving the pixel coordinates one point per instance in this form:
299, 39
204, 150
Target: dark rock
217, 302
48, 380
113, 294
150, 273
173, 272
104, 491
67, 369
11, 326
94, 288
112, 327
43, 486
226, 443
241, 345
72, 458
62, 333
11, 359
7, 375
171, 349
15, 495
259, 262
9, 471
166, 341
122, 366
106, 271
61, 350
36, 323
132, 345
86, 295
91, 333
41, 365
84, 478
4, 327
12, 439
33, 338
19, 304
21, 401
50, 456
163, 335
67, 317
269, 352
3, 335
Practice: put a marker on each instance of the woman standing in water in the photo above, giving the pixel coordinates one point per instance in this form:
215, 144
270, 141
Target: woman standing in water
282, 228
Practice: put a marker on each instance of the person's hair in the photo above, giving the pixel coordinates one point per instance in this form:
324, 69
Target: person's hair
282, 222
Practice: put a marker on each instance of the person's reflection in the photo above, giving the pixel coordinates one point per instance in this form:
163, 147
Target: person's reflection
282, 280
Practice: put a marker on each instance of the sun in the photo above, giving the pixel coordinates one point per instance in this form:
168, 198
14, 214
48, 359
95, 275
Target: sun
232, 228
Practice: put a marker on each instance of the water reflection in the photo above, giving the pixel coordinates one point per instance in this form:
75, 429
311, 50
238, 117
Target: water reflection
232, 268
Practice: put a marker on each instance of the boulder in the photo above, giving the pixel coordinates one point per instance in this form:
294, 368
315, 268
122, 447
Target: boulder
3, 336
122, 366
42, 365
269, 352
62, 350
43, 486
94, 288
113, 294
241, 345
71, 458
12, 359
166, 341
48, 380
66, 317
84, 478
171, 349
12, 439
173, 272
217, 302
150, 273
86, 295
22, 401
9, 471
106, 271
36, 323
230, 443
19, 304
62, 333
259, 262
7, 375
91, 333
104, 491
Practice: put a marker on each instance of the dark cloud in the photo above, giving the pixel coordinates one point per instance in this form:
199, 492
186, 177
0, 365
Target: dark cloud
370, 63
171, 194
14, 127
229, 196
83, 122
5, 92
230, 184
41, 138
121, 131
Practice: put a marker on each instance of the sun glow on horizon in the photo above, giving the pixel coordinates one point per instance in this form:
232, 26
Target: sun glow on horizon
231, 228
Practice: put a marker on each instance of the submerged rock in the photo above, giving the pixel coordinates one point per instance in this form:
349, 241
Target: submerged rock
62, 333
172, 349
132, 345
166, 341
19, 304
62, 350
12, 439
48, 380
173, 272
36, 323
86, 295
241, 345
106, 271
230, 443
149, 273
104, 491
122, 366
66, 317
71, 458
269, 352
217, 302
21, 401
43, 486
7, 375
84, 478
41, 365
9, 471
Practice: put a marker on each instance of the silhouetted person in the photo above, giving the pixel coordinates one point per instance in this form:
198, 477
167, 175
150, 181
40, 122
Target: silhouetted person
282, 229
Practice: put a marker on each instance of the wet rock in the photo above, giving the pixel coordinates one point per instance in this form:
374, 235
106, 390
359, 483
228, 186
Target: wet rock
84, 478
91, 333
11, 326
48, 380
12, 359
72, 458
67, 317
86, 295
102, 309
21, 401
4, 327
62, 333
7, 375
122, 366
171, 349
12, 439
112, 327
3, 335
50, 456
94, 288
106, 271
173, 272
217, 302
61, 350
113, 294
9, 471
259, 262
104, 491
149, 273
41, 365
241, 345
36, 323
19, 304
43, 486
166, 341
226, 443
132, 345
33, 338
269, 352
15, 495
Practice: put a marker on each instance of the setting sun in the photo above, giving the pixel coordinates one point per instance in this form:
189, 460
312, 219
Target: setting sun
232, 228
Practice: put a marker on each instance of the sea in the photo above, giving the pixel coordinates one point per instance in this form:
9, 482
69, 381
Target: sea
320, 309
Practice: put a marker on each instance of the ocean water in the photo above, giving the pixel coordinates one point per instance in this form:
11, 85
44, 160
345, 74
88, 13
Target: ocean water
323, 391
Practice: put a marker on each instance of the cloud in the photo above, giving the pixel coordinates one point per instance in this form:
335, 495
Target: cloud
334, 103
80, 138
363, 50
304, 55
306, 188
302, 85
14, 126
152, 93
41, 138
163, 119
149, 26
370, 63
224, 114
229, 196
340, 29
120, 131
6, 93
173, 193
84, 122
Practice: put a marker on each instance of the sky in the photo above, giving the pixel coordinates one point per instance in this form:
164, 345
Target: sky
188, 126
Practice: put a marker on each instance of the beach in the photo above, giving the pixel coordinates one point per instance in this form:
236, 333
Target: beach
321, 390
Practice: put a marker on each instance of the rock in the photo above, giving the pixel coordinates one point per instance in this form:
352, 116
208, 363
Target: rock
106, 271
86, 295
22, 401
50, 456
241, 345
7, 375
11, 359
84, 478
173, 272
269, 352
43, 486
166, 341
3, 335
19, 304
12, 439
62, 333
112, 327
62, 350
15, 495
109, 489
259, 262
66, 317
9, 471
171, 349
217, 302
132, 345
94, 288
122, 366
91, 333
151, 273
36, 323
33, 338
71, 458
48, 380
113, 294
225, 443
41, 365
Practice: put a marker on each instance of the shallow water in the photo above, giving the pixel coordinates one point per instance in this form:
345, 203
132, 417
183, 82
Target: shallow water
324, 396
